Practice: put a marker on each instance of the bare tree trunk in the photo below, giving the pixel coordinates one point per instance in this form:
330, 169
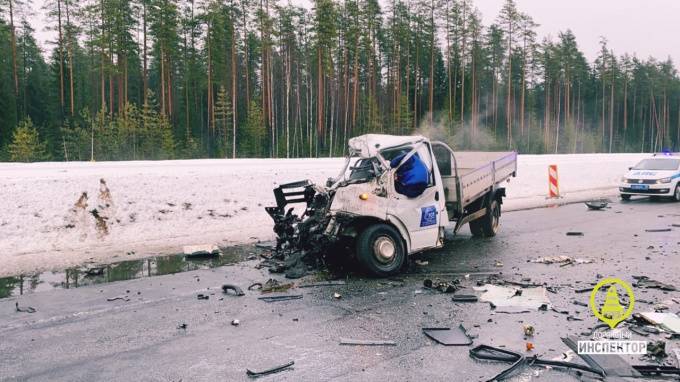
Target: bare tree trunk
13, 40
70, 60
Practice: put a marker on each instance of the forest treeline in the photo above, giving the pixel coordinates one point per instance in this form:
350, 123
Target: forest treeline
156, 79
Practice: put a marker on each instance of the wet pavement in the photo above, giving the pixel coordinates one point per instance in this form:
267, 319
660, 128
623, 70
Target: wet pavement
79, 335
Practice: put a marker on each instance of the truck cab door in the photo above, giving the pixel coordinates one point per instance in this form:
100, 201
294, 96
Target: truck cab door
422, 215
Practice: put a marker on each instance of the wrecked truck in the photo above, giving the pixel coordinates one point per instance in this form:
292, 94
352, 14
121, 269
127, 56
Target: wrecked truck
362, 209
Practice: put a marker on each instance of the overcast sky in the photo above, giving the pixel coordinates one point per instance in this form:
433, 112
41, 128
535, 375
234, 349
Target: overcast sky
644, 28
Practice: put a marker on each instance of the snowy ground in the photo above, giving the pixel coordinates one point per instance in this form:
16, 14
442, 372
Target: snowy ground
147, 208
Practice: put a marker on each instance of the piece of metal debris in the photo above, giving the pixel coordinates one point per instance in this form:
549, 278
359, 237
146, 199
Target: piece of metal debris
347, 341
255, 286
669, 322
230, 287
182, 326
275, 369
235, 322
202, 296
28, 309
202, 250
449, 337
574, 233
658, 230
646, 282
280, 298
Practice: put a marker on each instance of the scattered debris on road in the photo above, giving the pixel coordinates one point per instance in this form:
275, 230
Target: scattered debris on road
646, 282
459, 297
255, 286
574, 233
442, 286
230, 287
272, 370
347, 341
201, 250
182, 326
519, 361
449, 337
337, 296
28, 309
202, 296
562, 259
669, 322
513, 300
322, 284
273, 285
529, 330
235, 322
280, 298
422, 262
657, 349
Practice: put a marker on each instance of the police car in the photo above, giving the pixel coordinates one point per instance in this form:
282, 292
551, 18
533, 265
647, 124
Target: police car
655, 176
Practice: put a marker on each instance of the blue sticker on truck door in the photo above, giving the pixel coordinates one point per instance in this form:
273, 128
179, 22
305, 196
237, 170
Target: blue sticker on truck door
428, 216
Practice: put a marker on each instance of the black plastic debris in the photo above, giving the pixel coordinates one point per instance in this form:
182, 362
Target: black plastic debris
182, 326
124, 298
464, 298
28, 309
348, 341
230, 287
519, 362
280, 298
574, 233
597, 204
202, 296
275, 369
608, 364
656, 370
658, 230
449, 337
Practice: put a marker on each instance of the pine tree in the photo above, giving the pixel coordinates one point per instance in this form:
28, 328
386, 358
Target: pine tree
26, 145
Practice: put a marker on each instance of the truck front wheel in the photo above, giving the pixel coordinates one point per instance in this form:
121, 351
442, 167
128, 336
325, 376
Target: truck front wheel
381, 250
487, 225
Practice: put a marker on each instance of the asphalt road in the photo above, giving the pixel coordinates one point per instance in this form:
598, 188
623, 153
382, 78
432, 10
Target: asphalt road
77, 335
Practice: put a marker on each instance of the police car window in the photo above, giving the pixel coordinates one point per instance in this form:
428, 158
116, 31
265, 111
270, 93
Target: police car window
658, 164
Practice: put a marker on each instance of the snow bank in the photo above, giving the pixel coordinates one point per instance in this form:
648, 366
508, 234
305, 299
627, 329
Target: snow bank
146, 208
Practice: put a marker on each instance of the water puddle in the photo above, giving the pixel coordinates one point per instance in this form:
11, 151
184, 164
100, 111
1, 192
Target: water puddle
124, 270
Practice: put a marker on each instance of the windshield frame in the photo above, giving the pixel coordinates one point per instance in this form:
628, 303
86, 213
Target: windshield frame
655, 162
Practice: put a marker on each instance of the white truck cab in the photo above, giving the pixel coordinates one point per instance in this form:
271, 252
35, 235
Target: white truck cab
656, 176
362, 206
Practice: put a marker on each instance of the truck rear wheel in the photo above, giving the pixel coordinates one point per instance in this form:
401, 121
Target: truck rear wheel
487, 225
381, 250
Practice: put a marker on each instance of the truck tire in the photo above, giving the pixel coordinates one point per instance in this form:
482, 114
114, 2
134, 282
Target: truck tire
625, 197
487, 225
380, 250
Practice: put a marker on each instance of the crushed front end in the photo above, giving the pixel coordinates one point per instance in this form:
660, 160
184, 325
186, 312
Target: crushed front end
300, 235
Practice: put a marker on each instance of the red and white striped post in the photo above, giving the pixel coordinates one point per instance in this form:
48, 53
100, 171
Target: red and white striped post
553, 183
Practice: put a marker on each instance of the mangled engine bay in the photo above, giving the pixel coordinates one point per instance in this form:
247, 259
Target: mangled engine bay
303, 239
